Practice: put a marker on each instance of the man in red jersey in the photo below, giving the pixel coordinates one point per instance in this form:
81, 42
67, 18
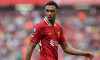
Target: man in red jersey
50, 34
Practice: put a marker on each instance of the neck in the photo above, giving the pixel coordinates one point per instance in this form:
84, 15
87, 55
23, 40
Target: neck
52, 22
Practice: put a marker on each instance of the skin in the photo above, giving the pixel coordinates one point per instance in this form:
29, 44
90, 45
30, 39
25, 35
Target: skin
50, 12
30, 49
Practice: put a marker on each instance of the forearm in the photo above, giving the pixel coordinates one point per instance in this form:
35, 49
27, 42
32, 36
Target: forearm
73, 51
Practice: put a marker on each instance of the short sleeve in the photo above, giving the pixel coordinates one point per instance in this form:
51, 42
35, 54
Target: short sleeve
36, 34
62, 38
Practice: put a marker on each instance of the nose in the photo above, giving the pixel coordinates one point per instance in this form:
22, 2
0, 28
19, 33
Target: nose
49, 13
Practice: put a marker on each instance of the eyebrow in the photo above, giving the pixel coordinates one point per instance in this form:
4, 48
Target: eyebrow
50, 10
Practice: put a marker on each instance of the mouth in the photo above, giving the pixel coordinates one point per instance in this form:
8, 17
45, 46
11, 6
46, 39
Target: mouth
49, 17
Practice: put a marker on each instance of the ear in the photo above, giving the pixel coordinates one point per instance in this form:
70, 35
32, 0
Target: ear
57, 11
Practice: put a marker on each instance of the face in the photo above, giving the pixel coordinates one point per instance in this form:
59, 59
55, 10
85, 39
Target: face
50, 12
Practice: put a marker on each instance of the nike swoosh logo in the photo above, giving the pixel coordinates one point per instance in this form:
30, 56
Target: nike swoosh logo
49, 33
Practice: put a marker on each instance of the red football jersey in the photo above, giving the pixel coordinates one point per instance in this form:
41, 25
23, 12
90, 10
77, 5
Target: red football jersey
49, 37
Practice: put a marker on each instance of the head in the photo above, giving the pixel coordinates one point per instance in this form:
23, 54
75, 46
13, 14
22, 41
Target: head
51, 9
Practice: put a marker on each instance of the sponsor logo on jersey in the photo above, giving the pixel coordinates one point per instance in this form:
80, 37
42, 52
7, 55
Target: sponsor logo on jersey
53, 43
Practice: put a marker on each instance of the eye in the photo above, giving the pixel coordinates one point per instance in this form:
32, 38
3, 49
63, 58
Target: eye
47, 11
52, 11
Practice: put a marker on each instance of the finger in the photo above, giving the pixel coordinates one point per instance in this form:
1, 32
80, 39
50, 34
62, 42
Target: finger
92, 55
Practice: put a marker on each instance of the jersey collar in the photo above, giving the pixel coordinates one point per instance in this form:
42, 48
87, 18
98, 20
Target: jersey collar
46, 20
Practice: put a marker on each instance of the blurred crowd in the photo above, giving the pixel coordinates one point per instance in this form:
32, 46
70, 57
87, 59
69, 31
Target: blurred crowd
81, 30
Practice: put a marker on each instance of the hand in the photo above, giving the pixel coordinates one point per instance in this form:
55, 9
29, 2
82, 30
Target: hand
89, 55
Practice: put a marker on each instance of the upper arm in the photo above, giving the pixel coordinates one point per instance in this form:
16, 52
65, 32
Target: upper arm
29, 51
62, 38
31, 45
36, 33
64, 46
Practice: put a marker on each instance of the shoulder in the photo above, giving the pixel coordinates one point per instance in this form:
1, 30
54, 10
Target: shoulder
58, 25
39, 25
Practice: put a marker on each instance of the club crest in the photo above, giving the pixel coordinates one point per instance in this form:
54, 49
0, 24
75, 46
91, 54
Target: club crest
58, 34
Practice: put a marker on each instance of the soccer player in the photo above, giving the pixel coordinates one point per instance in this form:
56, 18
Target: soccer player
50, 34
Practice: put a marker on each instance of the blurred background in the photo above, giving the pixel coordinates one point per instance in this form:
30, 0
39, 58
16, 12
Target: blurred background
80, 20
